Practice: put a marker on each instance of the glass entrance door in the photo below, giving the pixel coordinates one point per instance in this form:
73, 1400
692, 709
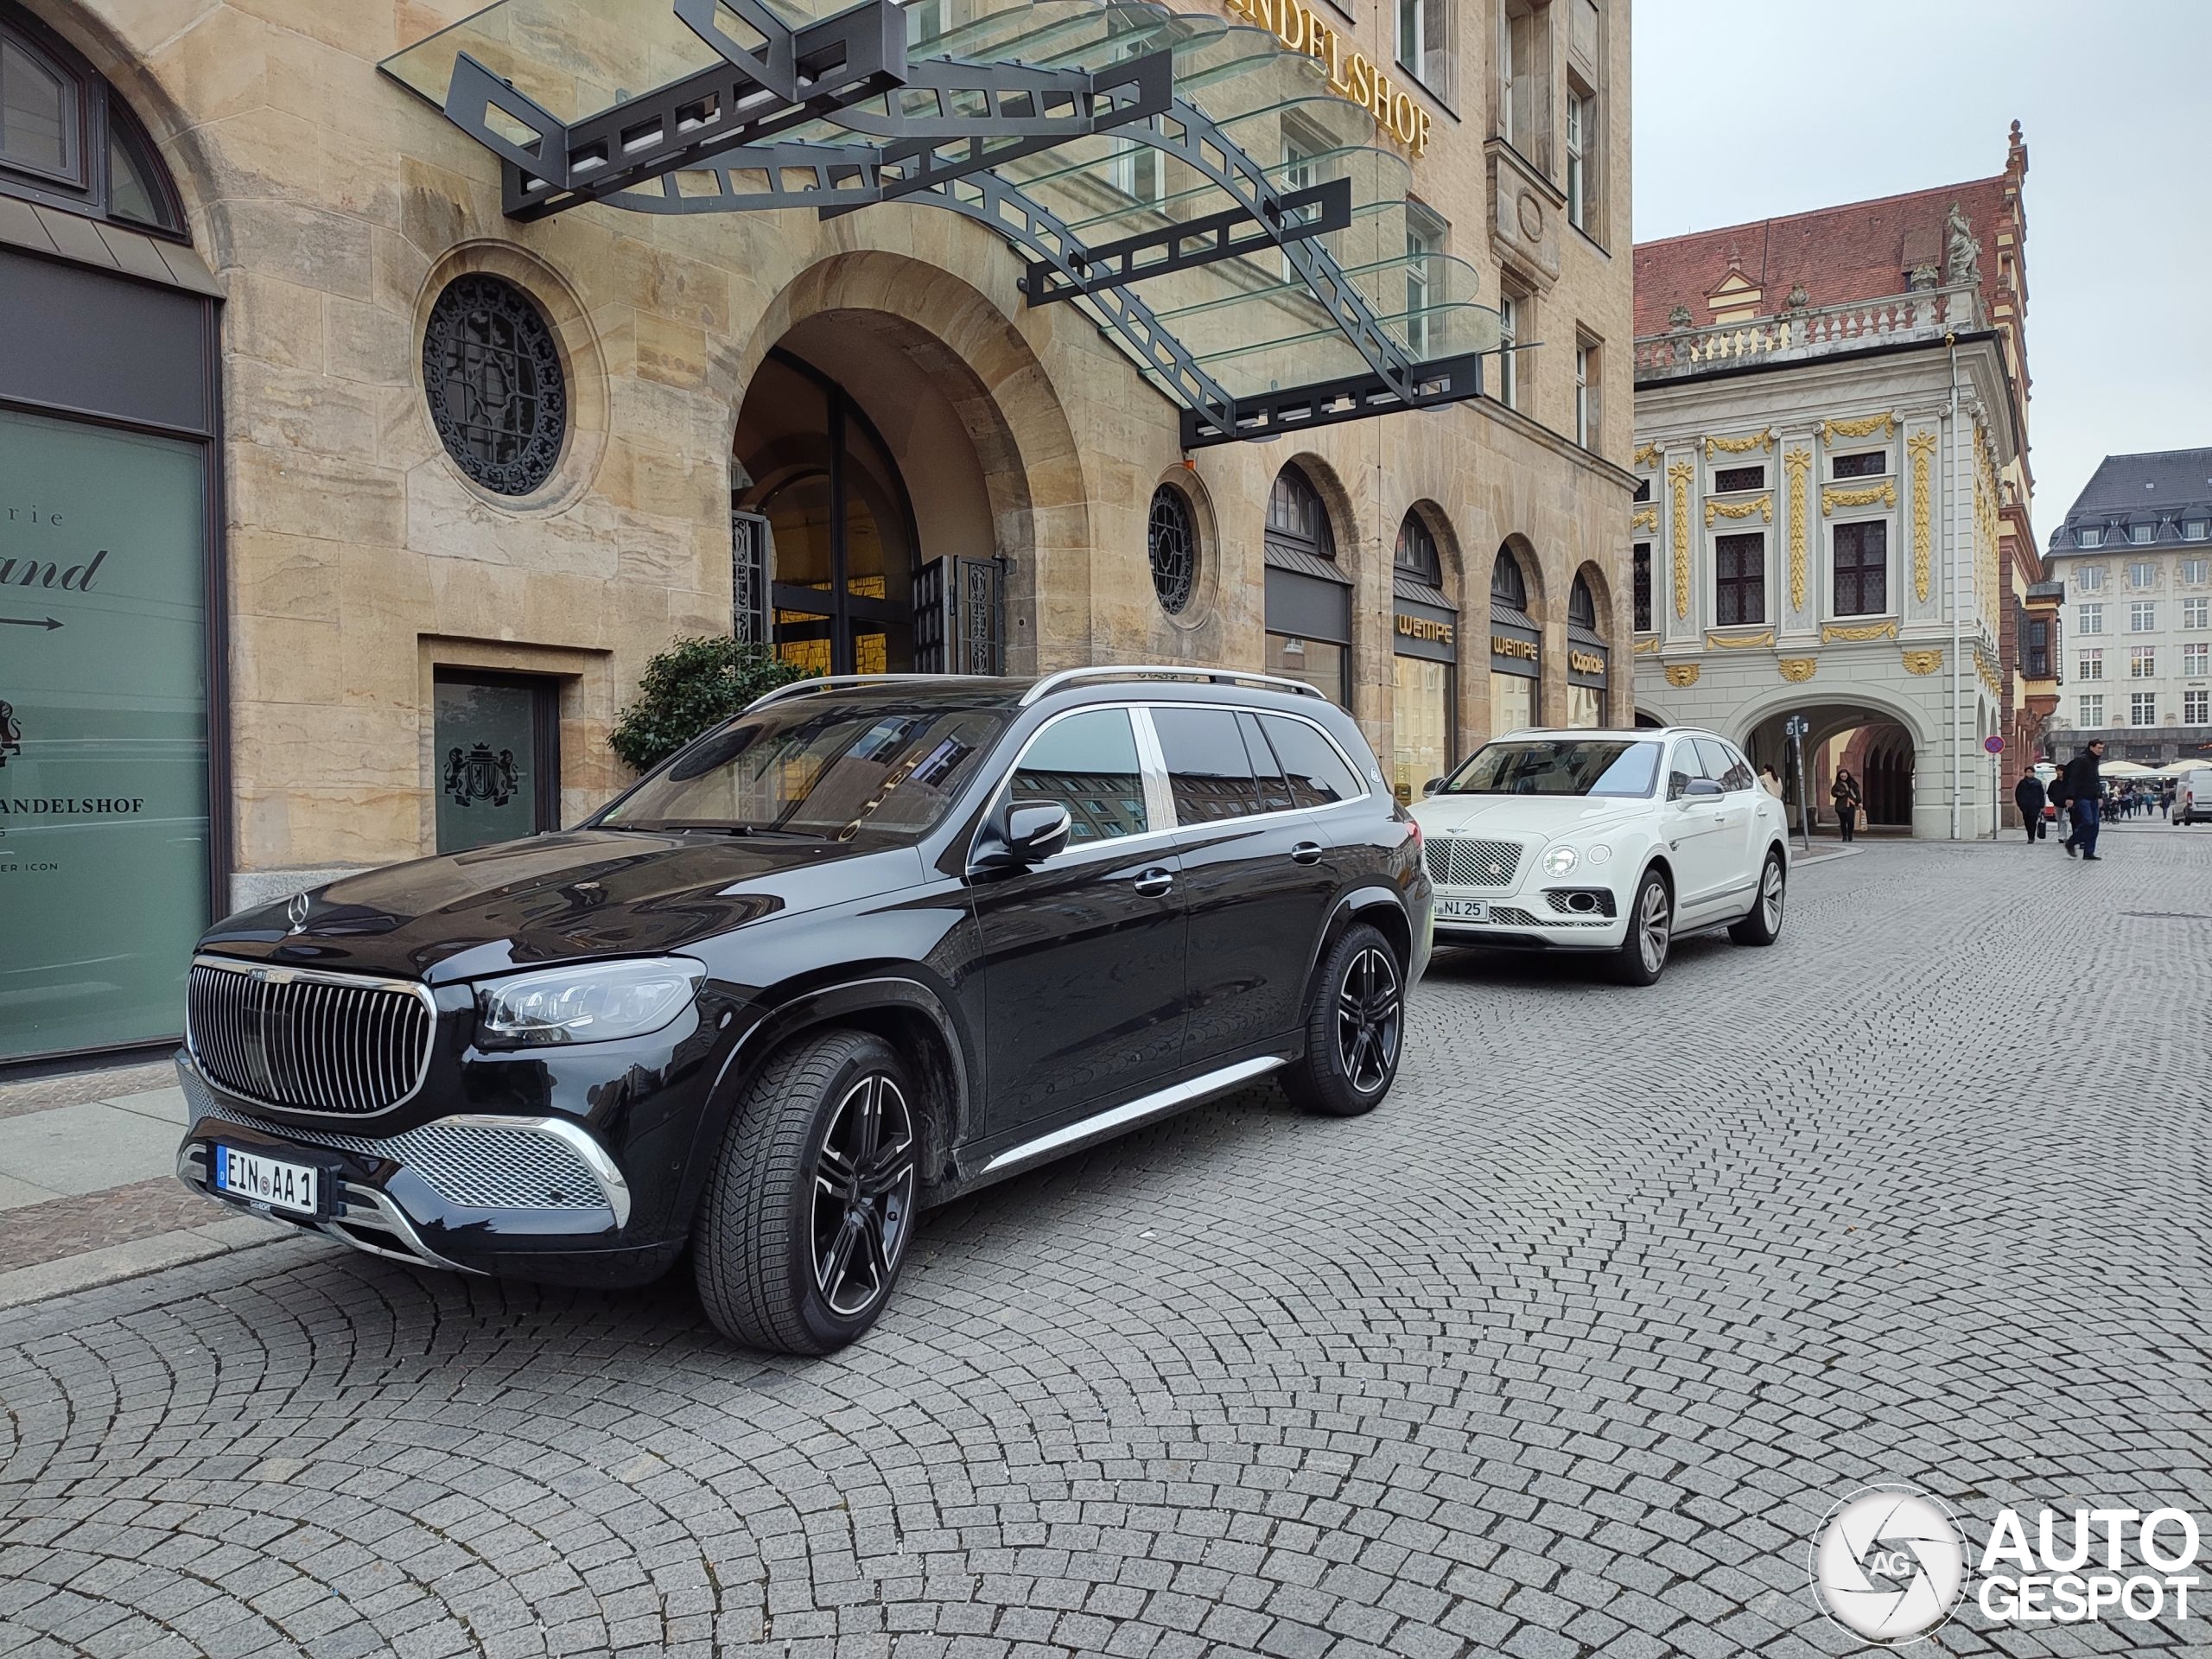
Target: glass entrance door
842, 531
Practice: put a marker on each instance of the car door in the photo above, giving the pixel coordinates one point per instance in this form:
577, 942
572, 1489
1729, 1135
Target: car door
1082, 957
1693, 828
1256, 879
1738, 819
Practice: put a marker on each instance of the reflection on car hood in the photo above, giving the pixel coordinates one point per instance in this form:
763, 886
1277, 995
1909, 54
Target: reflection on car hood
560, 898
1524, 818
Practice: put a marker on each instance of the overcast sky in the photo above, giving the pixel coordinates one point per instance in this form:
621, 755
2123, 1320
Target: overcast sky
1749, 108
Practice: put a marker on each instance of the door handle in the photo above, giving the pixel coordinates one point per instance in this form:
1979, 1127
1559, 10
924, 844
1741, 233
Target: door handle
1307, 852
1153, 883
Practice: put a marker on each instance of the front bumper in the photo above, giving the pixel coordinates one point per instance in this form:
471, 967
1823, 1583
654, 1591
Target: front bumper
534, 1197
1537, 918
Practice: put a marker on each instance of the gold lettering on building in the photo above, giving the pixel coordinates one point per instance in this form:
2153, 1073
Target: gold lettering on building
1585, 661
1523, 648
1422, 628
1352, 75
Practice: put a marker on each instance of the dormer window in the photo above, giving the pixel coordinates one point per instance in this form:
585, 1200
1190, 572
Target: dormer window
2195, 529
2088, 536
2141, 534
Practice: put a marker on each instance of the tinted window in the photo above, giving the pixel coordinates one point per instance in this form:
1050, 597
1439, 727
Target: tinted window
1088, 763
1740, 768
1275, 788
1209, 774
1316, 773
1722, 766
1684, 766
1607, 766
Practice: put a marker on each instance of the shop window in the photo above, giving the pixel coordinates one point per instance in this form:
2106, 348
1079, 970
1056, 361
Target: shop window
1172, 545
498, 743
1739, 580
1516, 648
492, 375
1308, 605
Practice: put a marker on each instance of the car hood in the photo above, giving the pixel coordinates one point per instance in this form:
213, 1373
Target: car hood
1523, 817
557, 898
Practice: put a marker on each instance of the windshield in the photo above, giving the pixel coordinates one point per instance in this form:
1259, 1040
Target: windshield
818, 765
1610, 766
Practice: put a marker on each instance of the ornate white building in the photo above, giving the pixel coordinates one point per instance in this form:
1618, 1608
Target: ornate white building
1832, 519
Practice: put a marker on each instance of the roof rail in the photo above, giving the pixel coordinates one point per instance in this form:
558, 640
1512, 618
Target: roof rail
830, 683
1156, 672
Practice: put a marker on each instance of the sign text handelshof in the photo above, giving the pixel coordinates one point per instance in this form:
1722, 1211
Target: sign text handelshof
1352, 74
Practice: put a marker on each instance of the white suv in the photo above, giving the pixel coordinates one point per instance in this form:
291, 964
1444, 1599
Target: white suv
1606, 841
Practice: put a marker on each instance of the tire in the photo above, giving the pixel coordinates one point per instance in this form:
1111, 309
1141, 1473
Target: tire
1642, 954
1354, 1028
1764, 925
813, 1199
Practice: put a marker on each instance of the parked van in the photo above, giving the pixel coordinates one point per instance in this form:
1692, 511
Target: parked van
2193, 795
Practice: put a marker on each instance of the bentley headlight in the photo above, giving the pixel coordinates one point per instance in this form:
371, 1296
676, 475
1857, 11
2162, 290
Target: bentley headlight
1559, 860
588, 1004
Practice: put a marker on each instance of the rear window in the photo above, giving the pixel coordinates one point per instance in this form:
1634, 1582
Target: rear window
1316, 773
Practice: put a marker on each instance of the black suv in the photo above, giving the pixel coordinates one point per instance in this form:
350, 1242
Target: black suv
871, 944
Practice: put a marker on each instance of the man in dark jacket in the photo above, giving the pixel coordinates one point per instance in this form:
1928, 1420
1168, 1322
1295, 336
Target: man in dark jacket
2086, 789
2028, 796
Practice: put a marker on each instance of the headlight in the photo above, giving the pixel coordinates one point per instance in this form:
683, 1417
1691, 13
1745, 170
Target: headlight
1559, 860
588, 1004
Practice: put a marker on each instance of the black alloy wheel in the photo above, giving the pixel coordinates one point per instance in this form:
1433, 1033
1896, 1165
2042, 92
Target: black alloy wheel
814, 1195
1354, 1028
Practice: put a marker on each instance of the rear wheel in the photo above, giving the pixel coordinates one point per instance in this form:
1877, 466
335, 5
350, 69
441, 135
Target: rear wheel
1354, 1030
1643, 954
807, 1215
1764, 925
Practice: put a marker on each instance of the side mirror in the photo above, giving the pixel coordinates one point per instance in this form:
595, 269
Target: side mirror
1703, 789
1037, 829
1432, 786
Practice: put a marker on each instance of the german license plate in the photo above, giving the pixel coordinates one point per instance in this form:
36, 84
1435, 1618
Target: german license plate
267, 1181
1463, 910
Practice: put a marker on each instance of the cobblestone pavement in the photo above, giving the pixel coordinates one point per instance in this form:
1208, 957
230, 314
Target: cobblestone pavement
1563, 1351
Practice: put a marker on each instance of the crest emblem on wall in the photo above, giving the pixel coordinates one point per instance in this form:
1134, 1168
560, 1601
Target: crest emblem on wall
480, 775
11, 732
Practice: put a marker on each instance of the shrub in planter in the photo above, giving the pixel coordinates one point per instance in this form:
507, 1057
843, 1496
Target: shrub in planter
695, 684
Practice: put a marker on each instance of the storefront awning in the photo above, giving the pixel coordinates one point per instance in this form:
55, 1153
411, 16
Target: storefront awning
1221, 213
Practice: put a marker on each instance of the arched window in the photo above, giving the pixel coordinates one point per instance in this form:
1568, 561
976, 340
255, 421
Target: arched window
1581, 608
1516, 648
1297, 516
1308, 599
1507, 586
1417, 555
1588, 661
66, 139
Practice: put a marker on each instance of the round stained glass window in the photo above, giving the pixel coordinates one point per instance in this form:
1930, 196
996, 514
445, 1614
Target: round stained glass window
492, 375
1173, 541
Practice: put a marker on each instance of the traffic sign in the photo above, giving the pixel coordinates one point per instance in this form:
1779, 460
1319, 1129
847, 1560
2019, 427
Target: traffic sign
1994, 744
1797, 725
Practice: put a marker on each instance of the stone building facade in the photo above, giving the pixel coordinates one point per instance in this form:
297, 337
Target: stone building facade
374, 629
1832, 512
2133, 560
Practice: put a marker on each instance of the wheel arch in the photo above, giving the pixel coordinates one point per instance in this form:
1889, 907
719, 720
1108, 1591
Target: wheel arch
1382, 908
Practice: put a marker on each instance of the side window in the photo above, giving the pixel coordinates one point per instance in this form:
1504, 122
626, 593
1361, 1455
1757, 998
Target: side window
1682, 768
1088, 763
1316, 773
1740, 775
1722, 766
1209, 774
1275, 788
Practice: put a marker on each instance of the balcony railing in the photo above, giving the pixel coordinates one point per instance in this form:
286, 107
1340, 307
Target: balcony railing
1814, 332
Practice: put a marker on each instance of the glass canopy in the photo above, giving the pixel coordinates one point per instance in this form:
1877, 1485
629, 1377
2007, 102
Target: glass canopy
1230, 223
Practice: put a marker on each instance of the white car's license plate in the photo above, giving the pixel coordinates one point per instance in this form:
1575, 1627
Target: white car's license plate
266, 1181
1463, 910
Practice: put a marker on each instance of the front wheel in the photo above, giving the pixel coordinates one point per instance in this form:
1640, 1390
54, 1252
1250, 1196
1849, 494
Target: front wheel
1643, 954
1354, 1029
1764, 925
806, 1218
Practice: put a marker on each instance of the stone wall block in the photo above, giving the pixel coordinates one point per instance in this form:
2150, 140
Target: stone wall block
686, 290
292, 409
276, 321
300, 245
297, 492
293, 577
369, 342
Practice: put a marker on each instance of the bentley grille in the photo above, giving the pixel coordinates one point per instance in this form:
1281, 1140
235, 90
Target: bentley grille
1457, 863
311, 1042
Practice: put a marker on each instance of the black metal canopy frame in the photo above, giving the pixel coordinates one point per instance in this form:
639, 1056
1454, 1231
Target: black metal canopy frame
941, 131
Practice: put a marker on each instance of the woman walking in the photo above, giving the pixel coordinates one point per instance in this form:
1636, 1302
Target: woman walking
1844, 794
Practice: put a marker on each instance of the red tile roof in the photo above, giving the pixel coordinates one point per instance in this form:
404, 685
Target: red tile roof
1862, 251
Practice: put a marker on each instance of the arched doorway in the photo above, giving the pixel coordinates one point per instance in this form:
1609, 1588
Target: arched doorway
1870, 743
841, 533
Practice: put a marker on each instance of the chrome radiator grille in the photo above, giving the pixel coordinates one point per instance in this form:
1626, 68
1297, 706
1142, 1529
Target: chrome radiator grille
311, 1042
1454, 862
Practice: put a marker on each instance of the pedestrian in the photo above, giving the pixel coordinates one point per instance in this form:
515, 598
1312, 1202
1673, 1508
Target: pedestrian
1769, 780
2027, 795
2087, 791
1844, 794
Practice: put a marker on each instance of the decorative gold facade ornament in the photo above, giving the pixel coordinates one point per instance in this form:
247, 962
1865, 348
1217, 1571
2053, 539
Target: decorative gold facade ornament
1643, 647
1923, 662
1797, 463
1646, 455
1762, 506
1859, 633
1728, 642
1645, 519
1798, 669
1921, 447
1678, 479
1739, 446
1864, 428
1837, 496
1682, 673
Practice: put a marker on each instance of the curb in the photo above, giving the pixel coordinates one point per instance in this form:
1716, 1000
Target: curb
138, 1256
